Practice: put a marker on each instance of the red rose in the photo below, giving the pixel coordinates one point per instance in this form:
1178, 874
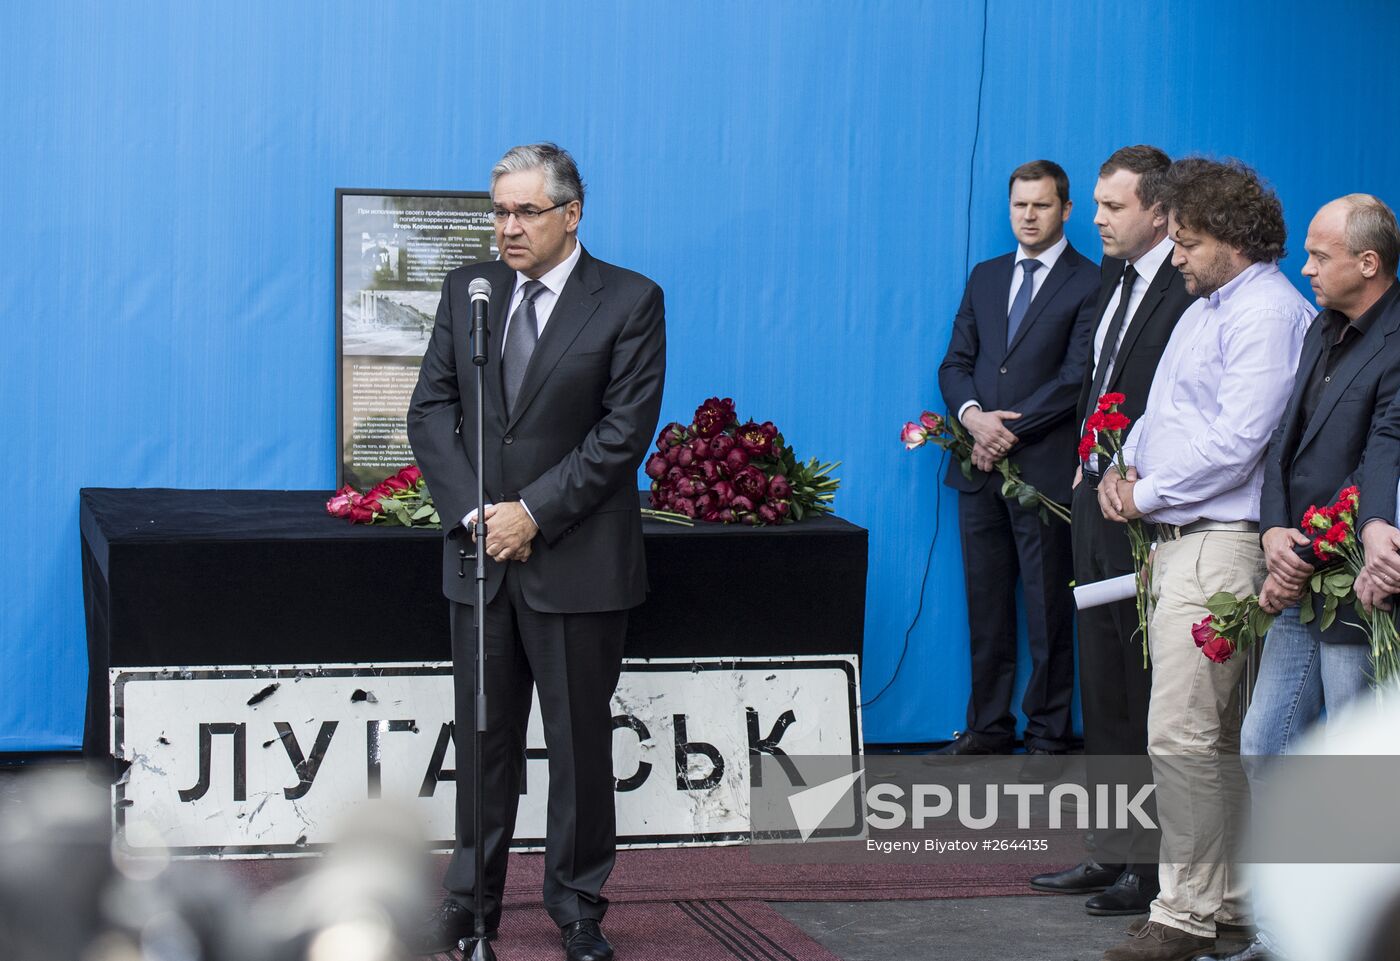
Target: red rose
410, 475
683, 505
913, 436
709, 470
700, 447
1322, 549
395, 482
768, 514
933, 423
1086, 446
757, 439
706, 504
782, 507
688, 487
674, 474
1202, 631
741, 505
721, 446
752, 483
684, 456
373, 495
1218, 649
779, 487
737, 460
672, 455
671, 435
714, 416
656, 466
1115, 421
340, 503
360, 514
724, 491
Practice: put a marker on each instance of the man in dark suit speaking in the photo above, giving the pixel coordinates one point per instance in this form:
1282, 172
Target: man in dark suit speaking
576, 363
1012, 374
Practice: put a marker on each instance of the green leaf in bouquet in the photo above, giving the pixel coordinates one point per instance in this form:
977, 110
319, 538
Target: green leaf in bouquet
966, 466
1339, 584
1221, 603
1328, 616
1305, 611
1246, 637
1315, 583
425, 511
1260, 620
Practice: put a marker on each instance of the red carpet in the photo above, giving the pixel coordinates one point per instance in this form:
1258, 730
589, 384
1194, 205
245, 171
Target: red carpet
668, 931
729, 873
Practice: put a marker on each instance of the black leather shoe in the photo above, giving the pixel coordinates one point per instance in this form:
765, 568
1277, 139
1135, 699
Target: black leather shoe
1085, 877
1253, 951
1130, 894
966, 742
448, 923
584, 941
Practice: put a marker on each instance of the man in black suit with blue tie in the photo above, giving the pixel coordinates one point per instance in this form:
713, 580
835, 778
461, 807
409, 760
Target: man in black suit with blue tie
1012, 374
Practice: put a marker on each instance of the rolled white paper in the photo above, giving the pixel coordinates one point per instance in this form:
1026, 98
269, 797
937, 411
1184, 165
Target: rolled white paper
1105, 592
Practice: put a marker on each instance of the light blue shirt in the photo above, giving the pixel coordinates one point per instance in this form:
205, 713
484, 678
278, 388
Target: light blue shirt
1218, 393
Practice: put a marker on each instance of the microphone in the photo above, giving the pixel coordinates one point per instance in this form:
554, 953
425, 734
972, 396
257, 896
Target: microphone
480, 290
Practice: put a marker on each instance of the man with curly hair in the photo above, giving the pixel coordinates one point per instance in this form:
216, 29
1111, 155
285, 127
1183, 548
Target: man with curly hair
1197, 456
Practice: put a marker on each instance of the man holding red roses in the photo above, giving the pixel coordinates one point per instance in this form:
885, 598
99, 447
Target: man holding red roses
1197, 454
1141, 298
1012, 372
1348, 376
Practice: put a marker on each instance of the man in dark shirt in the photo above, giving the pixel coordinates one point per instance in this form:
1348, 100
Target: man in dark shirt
1348, 375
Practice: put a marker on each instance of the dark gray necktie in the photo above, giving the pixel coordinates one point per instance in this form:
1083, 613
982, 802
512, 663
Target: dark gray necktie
1022, 303
1109, 351
521, 336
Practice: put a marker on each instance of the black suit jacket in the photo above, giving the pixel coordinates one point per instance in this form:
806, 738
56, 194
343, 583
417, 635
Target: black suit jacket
1149, 329
1309, 464
585, 417
1038, 374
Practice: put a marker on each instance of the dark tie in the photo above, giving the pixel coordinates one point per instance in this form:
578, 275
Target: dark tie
520, 342
1109, 351
1022, 303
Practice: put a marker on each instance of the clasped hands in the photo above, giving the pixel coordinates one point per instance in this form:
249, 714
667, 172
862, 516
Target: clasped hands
1287, 580
992, 440
509, 532
1116, 495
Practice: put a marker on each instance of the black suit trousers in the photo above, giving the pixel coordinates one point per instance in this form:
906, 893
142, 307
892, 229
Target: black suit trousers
574, 661
999, 541
1114, 686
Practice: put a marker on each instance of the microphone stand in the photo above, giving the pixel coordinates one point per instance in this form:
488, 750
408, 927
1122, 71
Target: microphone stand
477, 948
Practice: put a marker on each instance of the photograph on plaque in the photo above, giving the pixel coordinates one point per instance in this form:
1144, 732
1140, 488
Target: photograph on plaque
393, 249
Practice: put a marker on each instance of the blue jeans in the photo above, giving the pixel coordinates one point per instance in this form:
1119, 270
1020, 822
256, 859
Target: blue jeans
1298, 677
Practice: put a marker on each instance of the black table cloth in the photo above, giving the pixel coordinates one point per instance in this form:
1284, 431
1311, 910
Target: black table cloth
207, 577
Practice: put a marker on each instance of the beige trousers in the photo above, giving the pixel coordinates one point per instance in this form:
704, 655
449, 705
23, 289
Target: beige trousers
1194, 715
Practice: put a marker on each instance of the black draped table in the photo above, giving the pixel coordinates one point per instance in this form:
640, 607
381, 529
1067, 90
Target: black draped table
186, 577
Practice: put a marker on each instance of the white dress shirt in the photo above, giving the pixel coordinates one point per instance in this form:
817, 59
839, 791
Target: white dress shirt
1047, 260
1217, 395
1146, 267
554, 280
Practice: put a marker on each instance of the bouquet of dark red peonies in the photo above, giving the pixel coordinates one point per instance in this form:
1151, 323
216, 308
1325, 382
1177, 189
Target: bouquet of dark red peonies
717, 469
401, 498
1234, 624
1334, 539
1103, 435
949, 434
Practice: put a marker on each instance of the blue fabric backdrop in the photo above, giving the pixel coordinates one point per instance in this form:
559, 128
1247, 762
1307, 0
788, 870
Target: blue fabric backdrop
798, 176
